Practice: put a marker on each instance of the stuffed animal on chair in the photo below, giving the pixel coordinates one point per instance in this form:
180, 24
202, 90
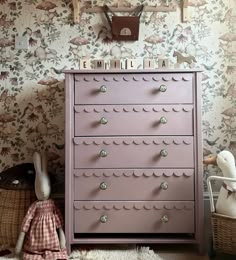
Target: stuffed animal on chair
226, 203
42, 236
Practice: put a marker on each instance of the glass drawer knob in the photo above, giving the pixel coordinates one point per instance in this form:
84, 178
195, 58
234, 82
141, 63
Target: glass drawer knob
103, 121
164, 185
103, 153
15, 182
163, 88
103, 186
103, 219
163, 120
103, 89
163, 153
165, 219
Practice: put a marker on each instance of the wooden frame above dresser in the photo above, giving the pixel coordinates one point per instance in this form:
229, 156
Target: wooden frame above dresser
133, 157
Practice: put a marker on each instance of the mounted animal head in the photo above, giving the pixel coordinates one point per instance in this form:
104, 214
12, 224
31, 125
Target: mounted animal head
42, 180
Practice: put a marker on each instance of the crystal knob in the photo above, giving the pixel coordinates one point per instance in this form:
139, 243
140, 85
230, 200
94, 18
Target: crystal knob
103, 186
103, 121
164, 219
103, 219
103, 153
163, 153
164, 185
163, 88
163, 120
103, 89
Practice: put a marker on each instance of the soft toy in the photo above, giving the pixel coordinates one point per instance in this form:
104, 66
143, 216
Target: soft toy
226, 203
42, 236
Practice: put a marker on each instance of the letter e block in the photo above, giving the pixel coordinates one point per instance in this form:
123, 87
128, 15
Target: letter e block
84, 64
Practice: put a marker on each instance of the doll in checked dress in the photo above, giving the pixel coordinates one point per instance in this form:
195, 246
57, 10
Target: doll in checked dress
42, 236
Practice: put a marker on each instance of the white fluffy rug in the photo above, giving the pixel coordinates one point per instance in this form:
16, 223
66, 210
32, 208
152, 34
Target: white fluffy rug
139, 253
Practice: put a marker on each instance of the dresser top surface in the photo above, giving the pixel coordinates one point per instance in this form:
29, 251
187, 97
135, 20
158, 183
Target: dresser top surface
132, 71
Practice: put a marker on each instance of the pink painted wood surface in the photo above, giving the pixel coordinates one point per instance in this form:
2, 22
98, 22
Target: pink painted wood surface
149, 184
133, 152
133, 120
135, 239
134, 71
134, 217
69, 97
133, 88
199, 216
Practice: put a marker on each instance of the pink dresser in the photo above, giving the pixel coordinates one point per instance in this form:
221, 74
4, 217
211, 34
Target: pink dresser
133, 157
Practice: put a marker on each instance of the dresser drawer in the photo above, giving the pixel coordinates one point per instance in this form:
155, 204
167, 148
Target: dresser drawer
133, 152
133, 217
145, 184
131, 88
133, 120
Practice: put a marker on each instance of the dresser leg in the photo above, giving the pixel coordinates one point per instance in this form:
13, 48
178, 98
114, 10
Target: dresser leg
68, 249
201, 248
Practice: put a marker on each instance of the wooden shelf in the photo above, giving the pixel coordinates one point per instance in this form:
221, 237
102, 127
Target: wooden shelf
185, 16
99, 9
79, 9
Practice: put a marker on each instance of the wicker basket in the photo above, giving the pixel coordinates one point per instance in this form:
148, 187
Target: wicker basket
16, 195
223, 227
223, 233
13, 207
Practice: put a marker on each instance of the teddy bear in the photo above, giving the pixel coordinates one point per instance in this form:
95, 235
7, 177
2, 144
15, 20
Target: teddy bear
42, 236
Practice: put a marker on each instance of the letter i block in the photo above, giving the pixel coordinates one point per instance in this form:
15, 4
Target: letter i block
115, 64
148, 64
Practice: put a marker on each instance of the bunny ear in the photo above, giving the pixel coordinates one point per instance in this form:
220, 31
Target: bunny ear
37, 162
44, 162
211, 160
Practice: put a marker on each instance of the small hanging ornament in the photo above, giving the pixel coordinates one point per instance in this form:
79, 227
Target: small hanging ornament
124, 28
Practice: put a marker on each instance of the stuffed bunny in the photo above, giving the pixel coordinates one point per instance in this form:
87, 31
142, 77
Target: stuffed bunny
226, 202
42, 236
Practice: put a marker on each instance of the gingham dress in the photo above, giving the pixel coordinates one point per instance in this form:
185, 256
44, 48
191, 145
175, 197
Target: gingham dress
40, 225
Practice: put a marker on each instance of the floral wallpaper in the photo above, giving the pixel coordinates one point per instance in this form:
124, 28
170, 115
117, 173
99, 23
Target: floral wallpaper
32, 82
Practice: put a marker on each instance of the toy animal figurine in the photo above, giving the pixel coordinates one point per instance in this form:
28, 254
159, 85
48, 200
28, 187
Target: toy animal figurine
226, 202
181, 58
42, 236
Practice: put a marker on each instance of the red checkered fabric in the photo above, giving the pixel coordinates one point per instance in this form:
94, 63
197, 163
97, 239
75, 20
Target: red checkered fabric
40, 225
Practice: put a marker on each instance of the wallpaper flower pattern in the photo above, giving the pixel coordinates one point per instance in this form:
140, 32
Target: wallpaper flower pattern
32, 82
